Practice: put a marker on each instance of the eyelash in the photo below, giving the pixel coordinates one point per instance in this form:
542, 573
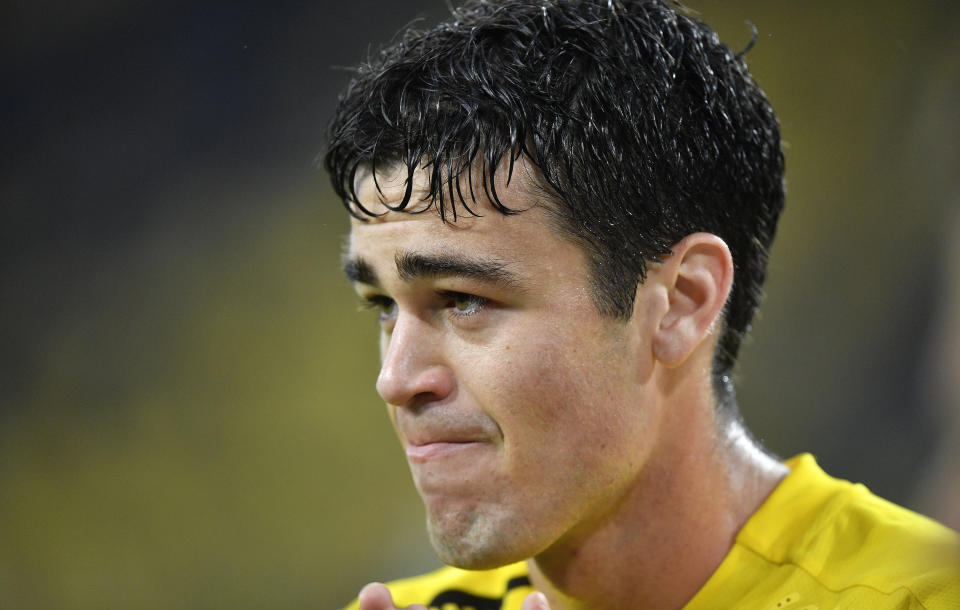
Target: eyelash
385, 305
474, 304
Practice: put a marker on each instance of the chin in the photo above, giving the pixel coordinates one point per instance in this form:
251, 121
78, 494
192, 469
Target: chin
472, 540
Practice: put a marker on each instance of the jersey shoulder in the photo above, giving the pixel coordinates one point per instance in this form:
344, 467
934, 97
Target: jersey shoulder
850, 544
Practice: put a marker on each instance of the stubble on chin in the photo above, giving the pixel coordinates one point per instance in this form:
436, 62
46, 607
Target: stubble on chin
472, 539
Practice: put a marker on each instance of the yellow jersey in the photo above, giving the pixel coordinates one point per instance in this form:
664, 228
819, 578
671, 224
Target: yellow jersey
817, 543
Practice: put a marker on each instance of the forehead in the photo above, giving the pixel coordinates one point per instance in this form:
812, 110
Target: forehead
419, 226
517, 186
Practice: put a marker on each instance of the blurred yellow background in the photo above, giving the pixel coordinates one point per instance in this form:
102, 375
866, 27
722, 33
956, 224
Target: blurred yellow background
187, 412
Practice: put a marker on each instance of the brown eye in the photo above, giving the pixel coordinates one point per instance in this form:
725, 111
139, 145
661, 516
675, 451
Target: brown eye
385, 306
467, 304
388, 308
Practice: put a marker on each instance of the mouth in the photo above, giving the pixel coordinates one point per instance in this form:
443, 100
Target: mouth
439, 449
445, 434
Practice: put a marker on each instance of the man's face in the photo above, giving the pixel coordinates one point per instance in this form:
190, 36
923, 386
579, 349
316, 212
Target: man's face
520, 407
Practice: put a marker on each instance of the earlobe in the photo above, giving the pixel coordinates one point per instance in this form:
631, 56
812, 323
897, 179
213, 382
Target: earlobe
698, 277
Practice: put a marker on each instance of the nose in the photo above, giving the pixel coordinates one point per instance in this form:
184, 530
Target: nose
413, 372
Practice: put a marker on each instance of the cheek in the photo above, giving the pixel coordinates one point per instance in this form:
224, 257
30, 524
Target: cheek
557, 404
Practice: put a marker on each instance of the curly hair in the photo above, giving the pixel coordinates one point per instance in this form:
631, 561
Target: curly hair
644, 127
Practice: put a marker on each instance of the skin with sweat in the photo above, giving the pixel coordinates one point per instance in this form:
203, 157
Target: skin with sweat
534, 426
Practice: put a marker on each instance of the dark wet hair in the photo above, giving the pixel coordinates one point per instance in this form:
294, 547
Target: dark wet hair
644, 126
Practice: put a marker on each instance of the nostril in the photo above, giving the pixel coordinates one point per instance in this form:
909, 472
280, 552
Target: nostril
417, 388
424, 399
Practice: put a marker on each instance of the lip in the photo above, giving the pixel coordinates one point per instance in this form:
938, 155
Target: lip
439, 449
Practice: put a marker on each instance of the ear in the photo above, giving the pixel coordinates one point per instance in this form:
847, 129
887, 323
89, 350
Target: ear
697, 277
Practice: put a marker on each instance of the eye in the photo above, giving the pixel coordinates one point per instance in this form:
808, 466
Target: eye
386, 306
464, 304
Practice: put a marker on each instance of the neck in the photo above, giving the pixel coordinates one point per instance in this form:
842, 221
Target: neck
671, 531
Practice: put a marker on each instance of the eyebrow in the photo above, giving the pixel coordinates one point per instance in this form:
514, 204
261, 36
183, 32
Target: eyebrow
360, 271
413, 266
